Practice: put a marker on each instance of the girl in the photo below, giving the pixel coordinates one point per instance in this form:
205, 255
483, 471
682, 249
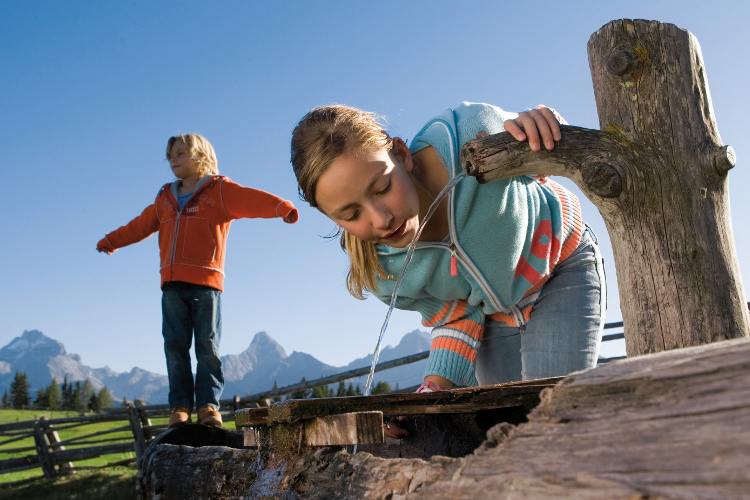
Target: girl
506, 273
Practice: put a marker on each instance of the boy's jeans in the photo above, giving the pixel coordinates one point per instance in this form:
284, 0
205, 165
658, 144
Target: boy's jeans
564, 331
188, 308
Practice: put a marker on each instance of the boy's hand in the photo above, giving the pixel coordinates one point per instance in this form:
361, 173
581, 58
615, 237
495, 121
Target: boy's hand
292, 216
532, 124
104, 246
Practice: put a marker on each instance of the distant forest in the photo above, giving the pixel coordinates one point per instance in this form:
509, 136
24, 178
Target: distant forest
66, 396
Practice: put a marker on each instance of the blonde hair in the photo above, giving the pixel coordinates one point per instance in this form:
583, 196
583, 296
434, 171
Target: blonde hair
324, 134
200, 150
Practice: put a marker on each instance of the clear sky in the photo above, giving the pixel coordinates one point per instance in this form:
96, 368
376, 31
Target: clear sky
91, 91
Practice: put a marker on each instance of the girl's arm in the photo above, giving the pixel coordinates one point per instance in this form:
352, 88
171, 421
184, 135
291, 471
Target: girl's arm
240, 202
134, 231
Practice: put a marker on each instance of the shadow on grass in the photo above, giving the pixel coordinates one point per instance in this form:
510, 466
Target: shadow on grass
116, 483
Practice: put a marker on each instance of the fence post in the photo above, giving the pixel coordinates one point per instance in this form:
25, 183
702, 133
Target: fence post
52, 439
138, 434
46, 459
145, 421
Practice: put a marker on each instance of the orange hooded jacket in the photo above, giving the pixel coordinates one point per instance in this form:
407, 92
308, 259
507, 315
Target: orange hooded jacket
192, 242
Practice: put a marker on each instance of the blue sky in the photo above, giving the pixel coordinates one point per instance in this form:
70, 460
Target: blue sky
91, 91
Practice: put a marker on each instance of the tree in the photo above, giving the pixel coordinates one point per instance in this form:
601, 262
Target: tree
19, 390
88, 392
341, 392
66, 395
6, 399
301, 393
381, 388
320, 391
124, 402
41, 399
350, 391
100, 400
77, 399
53, 395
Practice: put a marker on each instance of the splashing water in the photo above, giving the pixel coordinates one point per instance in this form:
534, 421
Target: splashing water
409, 254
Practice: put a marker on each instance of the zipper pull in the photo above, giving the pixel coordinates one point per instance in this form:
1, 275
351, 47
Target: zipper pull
454, 264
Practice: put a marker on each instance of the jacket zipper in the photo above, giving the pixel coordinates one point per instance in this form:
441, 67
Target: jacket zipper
177, 226
469, 265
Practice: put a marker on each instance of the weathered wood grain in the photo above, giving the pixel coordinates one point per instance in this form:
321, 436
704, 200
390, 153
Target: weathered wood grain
657, 172
348, 428
671, 425
467, 400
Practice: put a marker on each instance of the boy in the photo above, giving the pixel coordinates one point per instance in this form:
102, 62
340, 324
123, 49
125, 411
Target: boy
192, 216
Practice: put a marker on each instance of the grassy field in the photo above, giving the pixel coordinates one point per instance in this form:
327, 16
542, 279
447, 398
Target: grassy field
108, 483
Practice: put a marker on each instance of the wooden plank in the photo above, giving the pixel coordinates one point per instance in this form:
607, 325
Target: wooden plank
46, 459
347, 428
54, 442
136, 424
10, 463
468, 400
249, 437
29, 424
94, 451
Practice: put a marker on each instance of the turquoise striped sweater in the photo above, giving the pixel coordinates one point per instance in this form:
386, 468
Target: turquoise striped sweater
507, 236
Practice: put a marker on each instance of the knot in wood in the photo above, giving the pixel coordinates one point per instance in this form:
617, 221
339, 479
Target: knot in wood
620, 61
725, 160
602, 179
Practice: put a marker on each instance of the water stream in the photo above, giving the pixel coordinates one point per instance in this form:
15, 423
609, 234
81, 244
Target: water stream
409, 255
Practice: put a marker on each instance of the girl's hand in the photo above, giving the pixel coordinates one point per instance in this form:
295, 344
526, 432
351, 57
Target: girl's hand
532, 124
392, 429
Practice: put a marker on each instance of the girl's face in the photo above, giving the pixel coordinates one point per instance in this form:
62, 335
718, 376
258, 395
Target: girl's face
372, 195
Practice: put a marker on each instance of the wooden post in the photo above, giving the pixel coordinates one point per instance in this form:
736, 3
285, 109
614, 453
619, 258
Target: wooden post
145, 421
136, 424
46, 459
52, 438
657, 172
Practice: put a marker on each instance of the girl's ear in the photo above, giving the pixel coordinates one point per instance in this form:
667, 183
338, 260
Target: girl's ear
401, 150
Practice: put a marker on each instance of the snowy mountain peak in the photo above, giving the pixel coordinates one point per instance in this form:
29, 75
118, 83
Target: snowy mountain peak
31, 343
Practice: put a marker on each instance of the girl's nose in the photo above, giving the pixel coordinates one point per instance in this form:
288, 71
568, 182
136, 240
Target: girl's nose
381, 217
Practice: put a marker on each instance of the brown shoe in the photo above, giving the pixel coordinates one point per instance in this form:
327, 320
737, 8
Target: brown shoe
180, 416
207, 415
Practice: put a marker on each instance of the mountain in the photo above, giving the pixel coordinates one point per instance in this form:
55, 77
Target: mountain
254, 370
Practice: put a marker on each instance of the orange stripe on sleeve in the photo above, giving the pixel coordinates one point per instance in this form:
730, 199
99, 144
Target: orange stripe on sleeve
455, 345
441, 313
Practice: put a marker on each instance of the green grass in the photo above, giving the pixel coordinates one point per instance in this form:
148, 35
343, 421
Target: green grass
8, 416
111, 483
116, 483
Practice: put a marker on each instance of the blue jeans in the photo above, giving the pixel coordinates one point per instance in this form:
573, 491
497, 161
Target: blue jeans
564, 331
188, 308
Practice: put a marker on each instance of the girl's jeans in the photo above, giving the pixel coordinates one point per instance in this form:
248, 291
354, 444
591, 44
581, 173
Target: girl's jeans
564, 331
188, 308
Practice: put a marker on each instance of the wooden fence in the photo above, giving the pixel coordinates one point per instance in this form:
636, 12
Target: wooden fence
55, 457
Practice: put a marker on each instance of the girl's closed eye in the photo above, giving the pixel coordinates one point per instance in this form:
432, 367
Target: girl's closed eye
352, 217
386, 188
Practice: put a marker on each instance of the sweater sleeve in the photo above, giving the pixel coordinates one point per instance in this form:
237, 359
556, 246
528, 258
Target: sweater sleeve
245, 202
136, 230
457, 329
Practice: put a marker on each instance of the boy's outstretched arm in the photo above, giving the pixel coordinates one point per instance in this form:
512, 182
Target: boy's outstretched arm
240, 202
134, 231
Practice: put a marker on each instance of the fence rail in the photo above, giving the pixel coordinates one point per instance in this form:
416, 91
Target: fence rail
51, 455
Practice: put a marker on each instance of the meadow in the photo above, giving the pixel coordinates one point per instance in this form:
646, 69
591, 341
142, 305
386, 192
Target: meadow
115, 483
